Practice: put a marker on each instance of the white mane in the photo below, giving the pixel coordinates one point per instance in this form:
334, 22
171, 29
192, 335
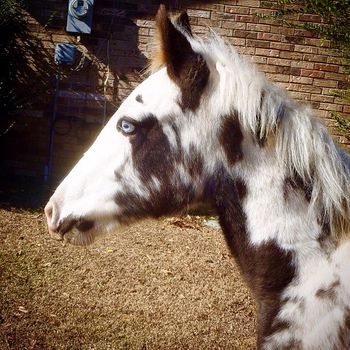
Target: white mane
303, 143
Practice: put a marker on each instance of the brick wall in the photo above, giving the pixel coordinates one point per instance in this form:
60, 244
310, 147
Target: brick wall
112, 58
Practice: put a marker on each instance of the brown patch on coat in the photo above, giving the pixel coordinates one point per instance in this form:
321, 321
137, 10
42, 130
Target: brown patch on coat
231, 138
185, 67
325, 239
328, 292
241, 189
155, 159
259, 136
288, 186
165, 201
296, 183
194, 163
151, 150
267, 268
279, 326
139, 99
344, 331
347, 318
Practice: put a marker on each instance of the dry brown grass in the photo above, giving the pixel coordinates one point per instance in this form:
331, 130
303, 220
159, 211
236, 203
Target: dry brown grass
157, 285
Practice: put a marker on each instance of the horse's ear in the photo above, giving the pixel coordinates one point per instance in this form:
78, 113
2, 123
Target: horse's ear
174, 46
183, 22
185, 67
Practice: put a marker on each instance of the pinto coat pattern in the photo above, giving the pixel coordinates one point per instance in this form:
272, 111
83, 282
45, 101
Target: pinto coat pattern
206, 127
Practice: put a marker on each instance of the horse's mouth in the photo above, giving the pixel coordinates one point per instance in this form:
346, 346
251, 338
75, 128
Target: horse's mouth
78, 232
58, 236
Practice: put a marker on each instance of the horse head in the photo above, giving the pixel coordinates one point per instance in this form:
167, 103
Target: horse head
157, 152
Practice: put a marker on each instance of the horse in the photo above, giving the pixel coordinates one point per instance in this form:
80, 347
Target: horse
205, 127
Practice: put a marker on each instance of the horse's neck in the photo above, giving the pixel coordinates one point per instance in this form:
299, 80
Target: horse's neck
285, 254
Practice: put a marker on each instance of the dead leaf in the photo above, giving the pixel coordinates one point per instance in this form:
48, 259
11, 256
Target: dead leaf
23, 309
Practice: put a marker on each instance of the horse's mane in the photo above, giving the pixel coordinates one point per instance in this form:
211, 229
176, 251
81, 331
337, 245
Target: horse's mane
303, 143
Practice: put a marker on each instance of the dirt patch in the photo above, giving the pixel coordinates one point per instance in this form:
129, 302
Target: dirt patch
169, 284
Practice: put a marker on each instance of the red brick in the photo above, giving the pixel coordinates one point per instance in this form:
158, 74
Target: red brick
327, 67
337, 60
267, 52
301, 80
312, 73
268, 68
223, 31
145, 23
291, 55
258, 43
247, 18
278, 61
258, 27
338, 100
223, 15
250, 3
302, 64
144, 31
304, 88
269, 36
331, 107
200, 29
244, 34
330, 52
304, 33
303, 96
261, 11
325, 83
322, 98
307, 49
259, 59
237, 10
309, 18
234, 25
282, 30
236, 41
315, 58
317, 42
209, 22
278, 77
208, 6
282, 46
337, 76
245, 50
198, 13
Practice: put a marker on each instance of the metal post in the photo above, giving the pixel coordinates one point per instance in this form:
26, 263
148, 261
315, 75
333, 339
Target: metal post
48, 166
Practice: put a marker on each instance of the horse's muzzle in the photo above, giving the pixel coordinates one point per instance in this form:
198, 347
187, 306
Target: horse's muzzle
58, 226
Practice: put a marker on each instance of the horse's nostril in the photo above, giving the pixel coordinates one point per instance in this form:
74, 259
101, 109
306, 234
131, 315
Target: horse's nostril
48, 211
84, 225
52, 215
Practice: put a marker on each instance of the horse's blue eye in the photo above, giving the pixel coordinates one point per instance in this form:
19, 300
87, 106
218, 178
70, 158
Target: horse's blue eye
127, 127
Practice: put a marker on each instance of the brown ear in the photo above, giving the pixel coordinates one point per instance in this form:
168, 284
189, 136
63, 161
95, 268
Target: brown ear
184, 66
175, 49
183, 22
